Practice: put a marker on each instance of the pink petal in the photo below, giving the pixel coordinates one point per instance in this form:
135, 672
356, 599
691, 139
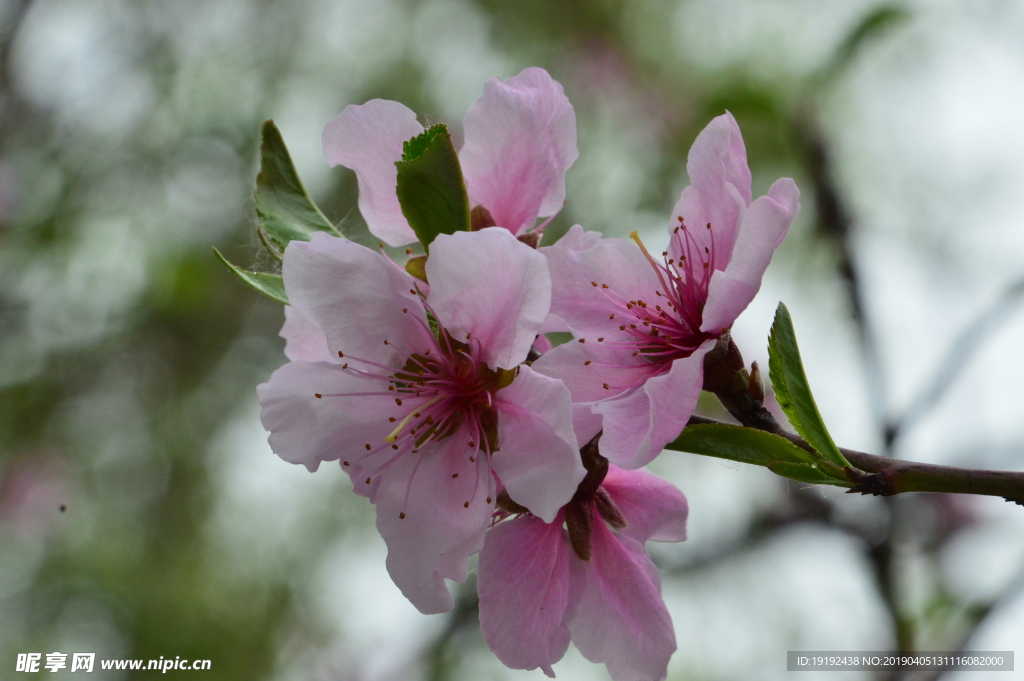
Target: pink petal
368, 139
764, 226
718, 155
303, 340
492, 286
520, 140
615, 367
307, 430
585, 422
585, 307
523, 583
577, 239
654, 508
538, 458
357, 297
439, 533
719, 190
541, 344
638, 425
618, 616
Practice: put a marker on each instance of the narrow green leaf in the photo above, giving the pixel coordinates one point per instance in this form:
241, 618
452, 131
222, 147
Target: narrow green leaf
747, 445
813, 473
282, 203
431, 189
786, 370
270, 285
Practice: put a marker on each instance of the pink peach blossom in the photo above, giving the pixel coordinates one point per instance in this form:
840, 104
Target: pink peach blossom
643, 326
421, 397
537, 594
520, 138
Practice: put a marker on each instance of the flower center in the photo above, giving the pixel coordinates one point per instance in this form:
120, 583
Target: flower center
667, 328
444, 391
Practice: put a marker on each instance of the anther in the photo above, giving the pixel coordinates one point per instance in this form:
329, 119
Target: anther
368, 447
345, 365
412, 291
405, 309
317, 395
472, 460
604, 285
472, 444
605, 386
455, 475
394, 446
587, 363
611, 316
401, 516
465, 505
368, 481
600, 340
392, 419
583, 340
398, 401
340, 353
408, 251
488, 500
594, 284
386, 342
622, 328
345, 463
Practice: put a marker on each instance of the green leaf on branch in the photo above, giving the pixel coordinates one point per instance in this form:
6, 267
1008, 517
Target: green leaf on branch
760, 448
431, 189
786, 371
282, 203
270, 285
803, 472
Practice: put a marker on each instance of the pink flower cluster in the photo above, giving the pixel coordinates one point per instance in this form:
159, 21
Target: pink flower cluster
427, 396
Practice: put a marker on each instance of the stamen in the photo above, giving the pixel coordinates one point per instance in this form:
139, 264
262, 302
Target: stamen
409, 417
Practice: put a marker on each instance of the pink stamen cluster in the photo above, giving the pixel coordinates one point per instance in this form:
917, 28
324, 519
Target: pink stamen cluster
667, 331
447, 391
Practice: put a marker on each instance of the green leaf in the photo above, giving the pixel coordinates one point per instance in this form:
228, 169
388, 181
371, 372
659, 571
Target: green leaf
270, 285
282, 203
757, 447
431, 189
812, 473
786, 371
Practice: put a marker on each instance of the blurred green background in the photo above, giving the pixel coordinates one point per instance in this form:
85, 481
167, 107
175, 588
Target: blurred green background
142, 513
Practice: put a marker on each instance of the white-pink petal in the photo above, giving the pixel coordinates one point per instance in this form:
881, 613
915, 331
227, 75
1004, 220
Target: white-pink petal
306, 429
439, 531
617, 263
538, 458
368, 138
523, 583
719, 155
638, 425
303, 340
618, 616
520, 138
492, 287
654, 508
357, 298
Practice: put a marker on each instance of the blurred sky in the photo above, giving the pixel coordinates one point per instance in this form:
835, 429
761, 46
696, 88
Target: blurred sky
129, 357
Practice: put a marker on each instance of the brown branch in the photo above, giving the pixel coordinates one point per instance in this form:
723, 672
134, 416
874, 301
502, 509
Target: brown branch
886, 477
